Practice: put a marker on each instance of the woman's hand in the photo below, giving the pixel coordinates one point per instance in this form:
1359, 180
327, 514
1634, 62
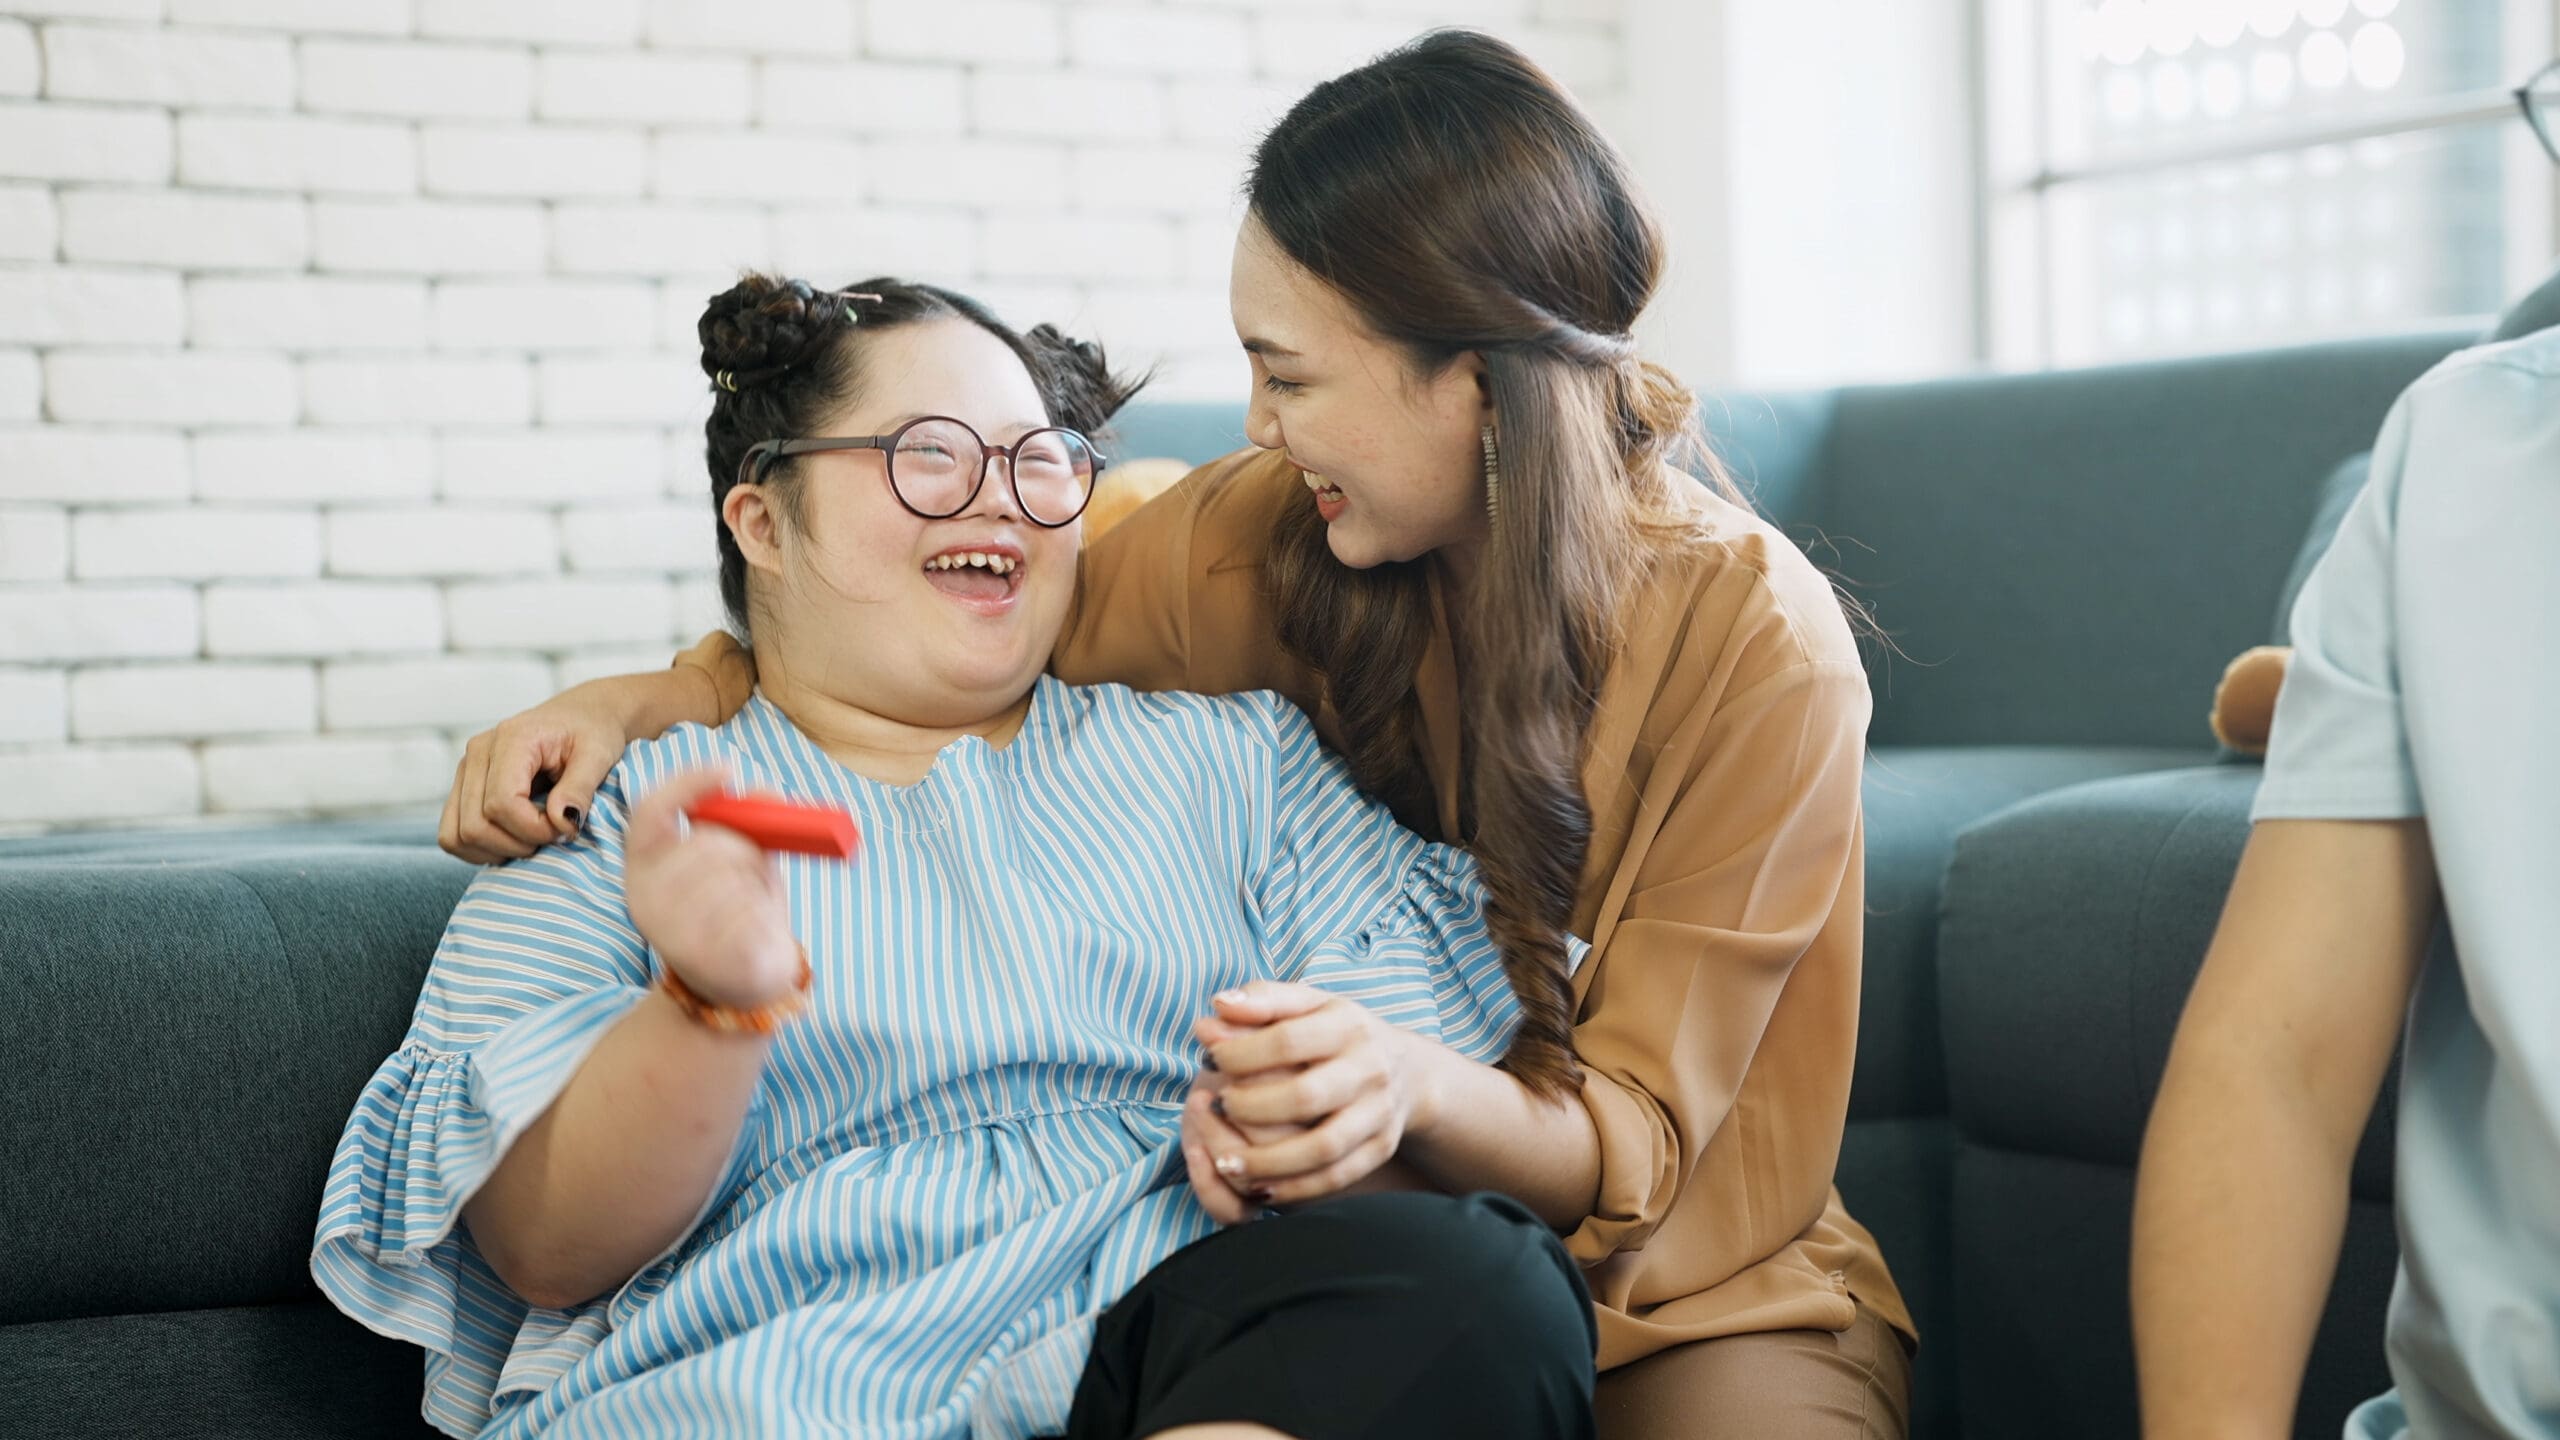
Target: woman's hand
575, 737
1206, 1136
1342, 1087
708, 900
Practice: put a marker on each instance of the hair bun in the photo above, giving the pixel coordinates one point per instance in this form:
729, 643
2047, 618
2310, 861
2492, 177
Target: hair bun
1075, 378
762, 325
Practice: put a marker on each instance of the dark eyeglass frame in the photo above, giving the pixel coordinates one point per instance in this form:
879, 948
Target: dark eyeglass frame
764, 454
2533, 113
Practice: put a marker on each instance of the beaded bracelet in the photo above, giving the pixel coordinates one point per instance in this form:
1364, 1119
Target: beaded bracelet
739, 1019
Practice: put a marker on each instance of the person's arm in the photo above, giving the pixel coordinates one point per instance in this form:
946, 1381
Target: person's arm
1390, 990
491, 815
1754, 866
2242, 1199
545, 1107
620, 1166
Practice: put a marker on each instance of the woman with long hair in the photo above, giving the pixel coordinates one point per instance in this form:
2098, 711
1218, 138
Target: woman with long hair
1466, 546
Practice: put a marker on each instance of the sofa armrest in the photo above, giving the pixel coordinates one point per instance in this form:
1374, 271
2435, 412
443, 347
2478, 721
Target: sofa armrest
184, 1043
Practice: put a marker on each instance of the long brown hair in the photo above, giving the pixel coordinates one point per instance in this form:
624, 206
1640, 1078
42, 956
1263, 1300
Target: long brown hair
1455, 195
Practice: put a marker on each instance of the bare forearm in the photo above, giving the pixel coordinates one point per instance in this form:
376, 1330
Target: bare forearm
653, 702
2243, 1193
2237, 1222
1480, 1129
617, 1169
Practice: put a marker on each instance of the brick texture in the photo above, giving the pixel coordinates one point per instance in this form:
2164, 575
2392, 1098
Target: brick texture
350, 393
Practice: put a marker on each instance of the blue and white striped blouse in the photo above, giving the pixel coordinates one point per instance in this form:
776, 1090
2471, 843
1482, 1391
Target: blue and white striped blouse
969, 1147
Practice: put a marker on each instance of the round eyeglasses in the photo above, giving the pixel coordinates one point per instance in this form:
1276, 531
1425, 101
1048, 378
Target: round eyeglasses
937, 465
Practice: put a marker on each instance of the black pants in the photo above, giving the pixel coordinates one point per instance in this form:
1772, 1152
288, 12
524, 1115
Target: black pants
1405, 1316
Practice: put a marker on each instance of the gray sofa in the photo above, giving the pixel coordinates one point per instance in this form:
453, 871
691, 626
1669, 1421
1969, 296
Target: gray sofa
2064, 562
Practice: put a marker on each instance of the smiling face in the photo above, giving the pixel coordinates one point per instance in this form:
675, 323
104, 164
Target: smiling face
1393, 458
929, 622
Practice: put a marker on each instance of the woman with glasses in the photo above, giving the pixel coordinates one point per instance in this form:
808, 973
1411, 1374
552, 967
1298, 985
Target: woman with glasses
688, 1139
1465, 545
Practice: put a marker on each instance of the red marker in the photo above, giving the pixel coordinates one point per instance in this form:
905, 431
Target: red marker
779, 824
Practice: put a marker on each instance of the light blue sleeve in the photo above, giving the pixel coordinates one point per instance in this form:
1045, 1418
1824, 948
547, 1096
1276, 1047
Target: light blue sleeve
539, 961
1356, 904
2339, 749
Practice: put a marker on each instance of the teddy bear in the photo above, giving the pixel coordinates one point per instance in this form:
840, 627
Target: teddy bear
2244, 704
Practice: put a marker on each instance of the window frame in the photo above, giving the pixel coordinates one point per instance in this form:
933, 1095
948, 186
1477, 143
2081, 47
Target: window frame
2015, 280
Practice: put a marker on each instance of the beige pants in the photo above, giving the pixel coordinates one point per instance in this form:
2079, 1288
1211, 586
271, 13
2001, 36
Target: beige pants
1784, 1385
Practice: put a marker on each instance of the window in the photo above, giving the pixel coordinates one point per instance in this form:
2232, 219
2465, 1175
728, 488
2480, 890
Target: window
2172, 176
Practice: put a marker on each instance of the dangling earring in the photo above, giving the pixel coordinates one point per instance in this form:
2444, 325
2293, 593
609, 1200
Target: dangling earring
1492, 478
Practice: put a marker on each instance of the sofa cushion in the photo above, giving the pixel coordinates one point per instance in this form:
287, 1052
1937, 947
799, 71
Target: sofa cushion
414, 830
2070, 558
2073, 926
2043, 1264
279, 1372
185, 1041
1917, 798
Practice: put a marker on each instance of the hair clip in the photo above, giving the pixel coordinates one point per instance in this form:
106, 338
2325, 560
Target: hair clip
851, 315
726, 381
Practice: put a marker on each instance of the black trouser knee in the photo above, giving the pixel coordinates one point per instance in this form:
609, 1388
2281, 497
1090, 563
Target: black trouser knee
1405, 1315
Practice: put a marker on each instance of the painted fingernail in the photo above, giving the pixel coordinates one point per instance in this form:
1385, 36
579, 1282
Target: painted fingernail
1231, 1166
1218, 1106
574, 814
1208, 1060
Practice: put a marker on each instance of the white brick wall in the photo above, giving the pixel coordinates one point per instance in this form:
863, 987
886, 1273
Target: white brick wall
446, 690
91, 467
168, 67
412, 237
35, 707
35, 544
181, 231
416, 392
21, 386
60, 305
194, 544
348, 394
161, 702
297, 152
323, 618
148, 388
303, 313
446, 541
557, 614
394, 77
27, 226
313, 466
326, 775
19, 66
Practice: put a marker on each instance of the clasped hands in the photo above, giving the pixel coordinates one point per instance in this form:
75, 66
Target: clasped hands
1300, 1095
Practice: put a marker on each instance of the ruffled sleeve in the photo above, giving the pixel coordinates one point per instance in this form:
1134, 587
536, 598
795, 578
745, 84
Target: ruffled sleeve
539, 962
1352, 902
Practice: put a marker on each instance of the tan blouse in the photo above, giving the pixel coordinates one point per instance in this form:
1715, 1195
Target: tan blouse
1723, 896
